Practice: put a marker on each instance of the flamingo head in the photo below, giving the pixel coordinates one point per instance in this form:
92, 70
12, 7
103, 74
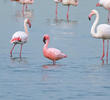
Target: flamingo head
98, 5
93, 12
27, 21
75, 2
46, 37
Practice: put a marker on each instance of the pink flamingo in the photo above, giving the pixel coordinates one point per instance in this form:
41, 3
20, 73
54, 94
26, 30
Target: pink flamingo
51, 53
106, 5
57, 1
68, 3
20, 37
103, 31
24, 2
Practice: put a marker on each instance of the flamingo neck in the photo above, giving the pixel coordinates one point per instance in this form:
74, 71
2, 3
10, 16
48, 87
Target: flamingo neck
93, 33
46, 45
25, 28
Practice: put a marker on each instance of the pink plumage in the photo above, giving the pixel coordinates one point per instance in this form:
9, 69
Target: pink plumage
51, 53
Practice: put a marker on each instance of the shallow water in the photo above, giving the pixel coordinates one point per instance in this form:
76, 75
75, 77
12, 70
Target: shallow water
81, 76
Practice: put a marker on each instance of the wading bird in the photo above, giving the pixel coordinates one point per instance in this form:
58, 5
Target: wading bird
68, 3
51, 53
20, 37
103, 31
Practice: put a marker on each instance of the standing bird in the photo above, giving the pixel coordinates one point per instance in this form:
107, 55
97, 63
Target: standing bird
103, 31
51, 53
20, 37
106, 5
68, 3
24, 2
57, 1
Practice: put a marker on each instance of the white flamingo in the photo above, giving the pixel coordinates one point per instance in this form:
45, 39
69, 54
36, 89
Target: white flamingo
20, 37
103, 31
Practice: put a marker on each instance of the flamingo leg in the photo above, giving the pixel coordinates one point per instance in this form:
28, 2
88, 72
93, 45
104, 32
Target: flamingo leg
68, 12
103, 52
12, 50
23, 10
21, 49
26, 6
56, 9
53, 62
107, 50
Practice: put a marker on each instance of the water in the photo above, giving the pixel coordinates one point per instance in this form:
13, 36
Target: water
81, 76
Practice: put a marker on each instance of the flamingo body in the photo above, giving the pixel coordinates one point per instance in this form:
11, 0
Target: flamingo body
103, 31
19, 37
26, 1
52, 53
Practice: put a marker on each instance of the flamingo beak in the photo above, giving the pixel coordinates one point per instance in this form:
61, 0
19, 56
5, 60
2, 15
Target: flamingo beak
98, 5
90, 15
44, 40
29, 23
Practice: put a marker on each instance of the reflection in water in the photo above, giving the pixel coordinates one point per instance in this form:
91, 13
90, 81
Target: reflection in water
19, 60
61, 21
103, 62
49, 68
26, 14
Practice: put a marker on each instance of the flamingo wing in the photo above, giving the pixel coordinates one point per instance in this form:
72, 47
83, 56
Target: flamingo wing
104, 31
55, 53
19, 37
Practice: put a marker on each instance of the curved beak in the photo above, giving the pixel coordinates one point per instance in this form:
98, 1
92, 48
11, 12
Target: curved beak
29, 23
90, 15
44, 40
98, 5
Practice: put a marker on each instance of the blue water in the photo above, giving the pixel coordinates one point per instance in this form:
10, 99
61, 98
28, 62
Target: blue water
81, 76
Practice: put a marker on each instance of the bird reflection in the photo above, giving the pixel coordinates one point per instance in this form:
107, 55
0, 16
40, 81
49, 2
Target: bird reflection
46, 70
19, 60
103, 62
61, 21
50, 66
25, 14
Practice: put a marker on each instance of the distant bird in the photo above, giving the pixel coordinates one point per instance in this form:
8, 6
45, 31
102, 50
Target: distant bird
103, 31
57, 1
68, 3
20, 37
24, 2
106, 5
51, 53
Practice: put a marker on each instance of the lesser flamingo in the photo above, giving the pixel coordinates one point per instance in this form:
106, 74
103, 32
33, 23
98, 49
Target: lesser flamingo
51, 53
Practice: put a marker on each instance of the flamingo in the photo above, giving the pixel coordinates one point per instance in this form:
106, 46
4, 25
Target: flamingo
51, 53
57, 1
103, 31
68, 3
106, 5
24, 2
20, 37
